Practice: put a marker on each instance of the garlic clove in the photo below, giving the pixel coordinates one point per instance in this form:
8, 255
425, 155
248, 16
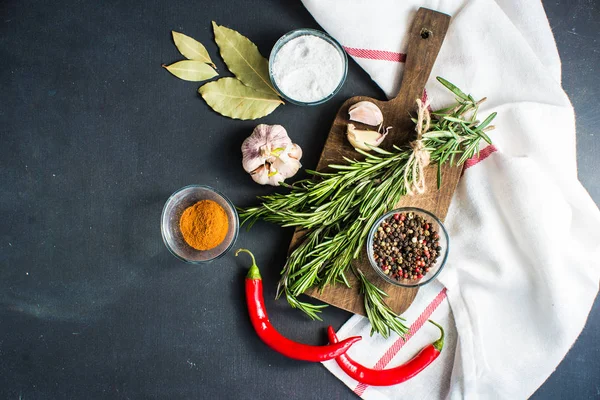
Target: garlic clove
362, 139
274, 176
260, 175
286, 166
295, 152
267, 174
366, 112
251, 161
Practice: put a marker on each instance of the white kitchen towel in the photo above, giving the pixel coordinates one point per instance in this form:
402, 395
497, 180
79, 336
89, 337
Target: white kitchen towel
523, 269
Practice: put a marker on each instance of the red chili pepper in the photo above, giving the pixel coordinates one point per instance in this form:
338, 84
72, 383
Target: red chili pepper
276, 341
391, 376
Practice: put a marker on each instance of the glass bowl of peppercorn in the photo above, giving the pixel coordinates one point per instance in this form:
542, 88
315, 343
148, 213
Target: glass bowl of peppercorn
408, 247
199, 224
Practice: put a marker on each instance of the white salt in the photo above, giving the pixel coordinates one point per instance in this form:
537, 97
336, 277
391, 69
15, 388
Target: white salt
307, 68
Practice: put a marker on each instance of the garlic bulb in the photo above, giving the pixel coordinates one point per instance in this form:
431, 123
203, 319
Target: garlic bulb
269, 155
365, 139
261, 144
366, 112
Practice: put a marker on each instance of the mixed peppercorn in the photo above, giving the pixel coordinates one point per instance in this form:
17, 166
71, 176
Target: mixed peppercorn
406, 246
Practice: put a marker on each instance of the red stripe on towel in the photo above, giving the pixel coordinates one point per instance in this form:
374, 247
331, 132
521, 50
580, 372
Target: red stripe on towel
483, 154
382, 55
400, 342
424, 99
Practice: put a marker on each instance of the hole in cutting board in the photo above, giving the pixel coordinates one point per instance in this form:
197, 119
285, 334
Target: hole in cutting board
425, 33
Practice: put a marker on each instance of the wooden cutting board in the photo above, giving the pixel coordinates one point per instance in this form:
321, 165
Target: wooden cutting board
425, 40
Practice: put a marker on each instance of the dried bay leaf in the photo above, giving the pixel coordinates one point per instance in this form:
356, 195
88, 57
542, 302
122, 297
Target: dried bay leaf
243, 59
191, 49
191, 70
233, 99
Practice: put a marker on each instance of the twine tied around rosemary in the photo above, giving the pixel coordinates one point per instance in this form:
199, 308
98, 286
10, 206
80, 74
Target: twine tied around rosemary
419, 158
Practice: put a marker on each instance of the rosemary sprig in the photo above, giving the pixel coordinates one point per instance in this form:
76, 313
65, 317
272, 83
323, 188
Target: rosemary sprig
338, 207
383, 318
327, 199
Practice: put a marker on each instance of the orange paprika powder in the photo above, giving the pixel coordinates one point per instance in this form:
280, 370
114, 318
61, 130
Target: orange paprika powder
204, 225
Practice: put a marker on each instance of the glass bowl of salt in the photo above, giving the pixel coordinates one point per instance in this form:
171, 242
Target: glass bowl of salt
307, 67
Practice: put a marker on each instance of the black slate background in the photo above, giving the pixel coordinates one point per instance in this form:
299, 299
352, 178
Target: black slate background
95, 135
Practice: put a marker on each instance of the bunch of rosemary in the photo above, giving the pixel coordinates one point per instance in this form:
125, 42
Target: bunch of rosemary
337, 208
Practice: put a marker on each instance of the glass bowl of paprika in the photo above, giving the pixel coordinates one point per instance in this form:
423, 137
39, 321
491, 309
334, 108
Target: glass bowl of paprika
199, 224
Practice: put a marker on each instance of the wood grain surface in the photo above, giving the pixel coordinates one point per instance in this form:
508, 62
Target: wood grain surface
426, 36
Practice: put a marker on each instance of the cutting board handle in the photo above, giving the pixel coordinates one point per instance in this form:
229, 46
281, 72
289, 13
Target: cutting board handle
425, 39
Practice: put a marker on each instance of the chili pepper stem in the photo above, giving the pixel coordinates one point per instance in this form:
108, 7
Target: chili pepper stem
253, 272
438, 344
